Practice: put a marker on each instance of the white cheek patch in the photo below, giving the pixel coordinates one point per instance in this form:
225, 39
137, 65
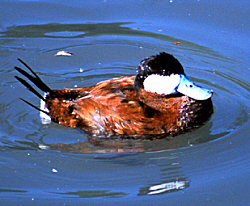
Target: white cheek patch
161, 84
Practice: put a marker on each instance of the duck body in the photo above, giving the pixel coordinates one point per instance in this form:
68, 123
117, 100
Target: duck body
123, 106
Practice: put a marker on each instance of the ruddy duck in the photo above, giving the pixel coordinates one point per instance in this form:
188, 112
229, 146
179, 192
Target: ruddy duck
159, 101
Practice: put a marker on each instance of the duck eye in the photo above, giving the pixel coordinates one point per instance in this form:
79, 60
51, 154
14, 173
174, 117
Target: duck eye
191, 86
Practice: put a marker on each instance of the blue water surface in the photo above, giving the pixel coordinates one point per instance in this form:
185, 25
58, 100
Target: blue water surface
208, 166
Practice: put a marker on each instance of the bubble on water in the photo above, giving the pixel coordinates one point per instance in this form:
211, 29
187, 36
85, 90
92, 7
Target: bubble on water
54, 170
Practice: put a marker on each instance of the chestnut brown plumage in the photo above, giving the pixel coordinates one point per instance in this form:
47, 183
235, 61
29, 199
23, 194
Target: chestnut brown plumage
113, 107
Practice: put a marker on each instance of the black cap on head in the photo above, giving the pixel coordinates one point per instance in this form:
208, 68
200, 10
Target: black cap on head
162, 64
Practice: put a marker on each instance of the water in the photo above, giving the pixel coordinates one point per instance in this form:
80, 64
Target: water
208, 166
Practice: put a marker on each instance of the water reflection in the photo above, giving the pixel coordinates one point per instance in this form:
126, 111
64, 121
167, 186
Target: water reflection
94, 193
170, 186
154, 173
56, 30
106, 146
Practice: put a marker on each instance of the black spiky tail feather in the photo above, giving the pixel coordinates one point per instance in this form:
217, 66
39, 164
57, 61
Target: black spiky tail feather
35, 80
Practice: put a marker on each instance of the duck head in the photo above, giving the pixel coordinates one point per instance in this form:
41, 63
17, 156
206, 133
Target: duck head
163, 74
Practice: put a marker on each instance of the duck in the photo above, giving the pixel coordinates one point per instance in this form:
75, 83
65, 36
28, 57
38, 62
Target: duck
158, 102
